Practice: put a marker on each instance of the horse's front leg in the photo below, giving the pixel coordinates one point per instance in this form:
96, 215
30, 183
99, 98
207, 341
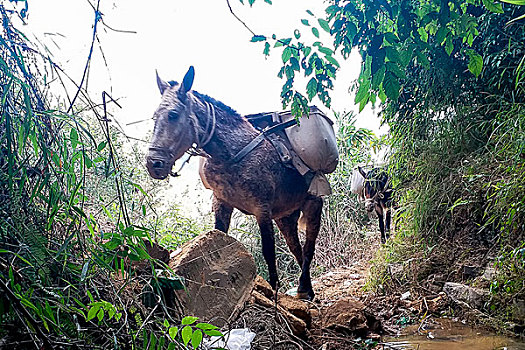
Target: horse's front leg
312, 214
268, 246
388, 220
223, 213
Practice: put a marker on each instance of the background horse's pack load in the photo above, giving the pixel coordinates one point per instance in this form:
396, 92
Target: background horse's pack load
358, 183
311, 141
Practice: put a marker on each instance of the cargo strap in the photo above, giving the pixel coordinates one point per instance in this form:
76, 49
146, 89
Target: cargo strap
257, 140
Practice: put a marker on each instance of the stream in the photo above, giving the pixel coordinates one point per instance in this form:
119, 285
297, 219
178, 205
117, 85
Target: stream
446, 334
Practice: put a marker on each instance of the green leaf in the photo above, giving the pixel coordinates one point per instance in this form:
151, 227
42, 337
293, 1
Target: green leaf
100, 315
297, 33
101, 146
515, 2
332, 60
266, 50
196, 338
363, 103
186, 334
325, 50
391, 38
311, 88
213, 333
305, 22
287, 53
189, 320
205, 326
441, 34
324, 24
392, 54
362, 92
449, 45
268, 1
306, 50
309, 12
475, 64
391, 86
73, 136
423, 34
494, 6
92, 313
394, 68
315, 31
422, 59
378, 77
332, 9
251, 2
173, 332
257, 38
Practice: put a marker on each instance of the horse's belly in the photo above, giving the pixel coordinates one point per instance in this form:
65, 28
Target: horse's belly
282, 195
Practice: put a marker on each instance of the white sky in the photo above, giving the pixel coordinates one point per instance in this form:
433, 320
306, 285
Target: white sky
170, 36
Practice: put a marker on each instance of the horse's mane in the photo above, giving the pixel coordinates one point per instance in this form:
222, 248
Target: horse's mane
211, 100
216, 103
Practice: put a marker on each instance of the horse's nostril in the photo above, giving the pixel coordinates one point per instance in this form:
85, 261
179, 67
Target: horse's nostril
157, 164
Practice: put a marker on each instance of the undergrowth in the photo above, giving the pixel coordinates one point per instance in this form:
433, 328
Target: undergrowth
74, 269
457, 167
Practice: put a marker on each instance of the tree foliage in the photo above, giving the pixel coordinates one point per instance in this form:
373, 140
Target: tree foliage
392, 37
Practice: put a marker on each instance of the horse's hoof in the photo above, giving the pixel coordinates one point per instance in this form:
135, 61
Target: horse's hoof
305, 296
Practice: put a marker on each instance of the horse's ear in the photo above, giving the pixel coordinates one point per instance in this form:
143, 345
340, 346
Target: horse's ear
361, 171
187, 82
161, 83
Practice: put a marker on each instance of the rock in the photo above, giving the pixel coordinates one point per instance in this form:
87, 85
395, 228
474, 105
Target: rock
296, 307
489, 273
474, 297
297, 325
262, 286
347, 314
470, 272
219, 275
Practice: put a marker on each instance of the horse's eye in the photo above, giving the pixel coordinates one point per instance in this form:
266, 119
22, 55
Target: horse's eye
172, 115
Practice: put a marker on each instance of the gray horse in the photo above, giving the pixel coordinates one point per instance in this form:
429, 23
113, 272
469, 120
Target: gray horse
258, 184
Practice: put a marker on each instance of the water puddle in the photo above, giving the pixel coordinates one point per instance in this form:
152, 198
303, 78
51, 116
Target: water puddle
444, 334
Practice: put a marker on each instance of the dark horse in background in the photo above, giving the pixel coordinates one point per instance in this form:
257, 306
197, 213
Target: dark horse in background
378, 196
259, 184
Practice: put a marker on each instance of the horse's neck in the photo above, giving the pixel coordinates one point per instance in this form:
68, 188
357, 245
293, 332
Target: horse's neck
229, 136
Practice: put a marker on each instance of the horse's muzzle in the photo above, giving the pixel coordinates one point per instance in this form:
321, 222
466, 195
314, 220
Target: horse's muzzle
157, 168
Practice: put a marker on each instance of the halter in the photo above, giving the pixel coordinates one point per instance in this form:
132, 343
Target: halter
380, 194
197, 148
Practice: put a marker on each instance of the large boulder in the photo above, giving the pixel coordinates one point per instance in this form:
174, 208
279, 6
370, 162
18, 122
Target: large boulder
219, 274
474, 297
347, 314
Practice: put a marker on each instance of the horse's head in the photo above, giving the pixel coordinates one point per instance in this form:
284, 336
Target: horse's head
174, 131
375, 187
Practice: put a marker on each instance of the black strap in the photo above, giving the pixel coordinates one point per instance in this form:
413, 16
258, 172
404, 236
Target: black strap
257, 140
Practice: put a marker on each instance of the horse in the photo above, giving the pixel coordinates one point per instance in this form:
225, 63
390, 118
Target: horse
378, 196
257, 183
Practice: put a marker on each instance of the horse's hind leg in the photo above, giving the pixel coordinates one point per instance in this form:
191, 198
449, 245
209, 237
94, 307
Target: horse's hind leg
268, 246
223, 213
288, 228
380, 216
312, 214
